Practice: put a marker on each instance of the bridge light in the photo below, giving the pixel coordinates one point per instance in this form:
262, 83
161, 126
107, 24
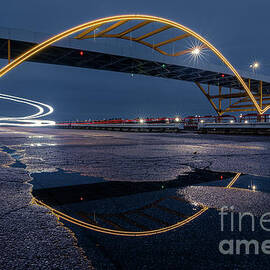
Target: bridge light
196, 51
81, 53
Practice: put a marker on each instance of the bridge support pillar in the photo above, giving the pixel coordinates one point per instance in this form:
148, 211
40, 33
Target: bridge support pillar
207, 96
219, 99
230, 100
261, 95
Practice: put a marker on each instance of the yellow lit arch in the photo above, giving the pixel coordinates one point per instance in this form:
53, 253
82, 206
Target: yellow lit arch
120, 20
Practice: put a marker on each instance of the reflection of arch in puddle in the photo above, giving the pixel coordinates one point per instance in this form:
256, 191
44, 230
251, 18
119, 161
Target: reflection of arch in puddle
250, 183
91, 220
233, 181
122, 232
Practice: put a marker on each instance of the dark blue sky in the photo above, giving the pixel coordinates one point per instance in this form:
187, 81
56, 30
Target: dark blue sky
239, 29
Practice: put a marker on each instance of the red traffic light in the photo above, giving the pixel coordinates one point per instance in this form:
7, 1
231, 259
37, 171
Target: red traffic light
222, 75
81, 53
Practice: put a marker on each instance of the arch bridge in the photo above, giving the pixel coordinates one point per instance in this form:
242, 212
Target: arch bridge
226, 89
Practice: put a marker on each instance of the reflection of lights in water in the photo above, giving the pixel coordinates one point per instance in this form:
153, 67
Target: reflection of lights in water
195, 204
30, 120
41, 137
33, 158
39, 144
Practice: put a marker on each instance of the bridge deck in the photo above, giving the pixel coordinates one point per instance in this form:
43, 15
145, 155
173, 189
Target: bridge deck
60, 55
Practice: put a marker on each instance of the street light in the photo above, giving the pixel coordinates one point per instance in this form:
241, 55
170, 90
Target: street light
255, 65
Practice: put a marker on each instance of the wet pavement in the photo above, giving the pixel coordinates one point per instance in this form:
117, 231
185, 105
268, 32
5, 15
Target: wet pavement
135, 182
31, 238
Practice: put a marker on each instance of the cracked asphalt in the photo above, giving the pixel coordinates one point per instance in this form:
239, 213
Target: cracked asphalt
31, 238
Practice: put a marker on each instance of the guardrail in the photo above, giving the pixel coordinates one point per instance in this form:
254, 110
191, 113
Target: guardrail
176, 127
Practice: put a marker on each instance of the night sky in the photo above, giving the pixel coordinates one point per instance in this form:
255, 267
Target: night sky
239, 29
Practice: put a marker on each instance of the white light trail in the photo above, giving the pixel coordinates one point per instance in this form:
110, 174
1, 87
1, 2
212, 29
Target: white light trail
29, 120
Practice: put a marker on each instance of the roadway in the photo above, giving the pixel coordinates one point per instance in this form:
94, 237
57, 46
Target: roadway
118, 58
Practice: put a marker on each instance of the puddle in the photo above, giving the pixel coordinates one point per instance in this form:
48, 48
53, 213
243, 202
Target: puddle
254, 183
13, 153
61, 187
127, 206
112, 203
119, 206
8, 150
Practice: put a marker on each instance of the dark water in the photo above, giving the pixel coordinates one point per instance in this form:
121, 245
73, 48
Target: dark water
13, 153
127, 206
